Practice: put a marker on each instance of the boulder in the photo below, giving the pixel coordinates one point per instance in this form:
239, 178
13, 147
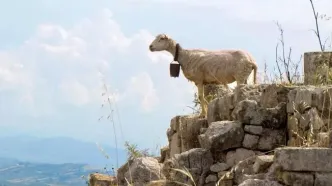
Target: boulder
250, 113
240, 154
297, 178
304, 159
250, 141
222, 135
323, 179
271, 139
197, 161
262, 163
142, 170
252, 129
183, 133
219, 167
97, 179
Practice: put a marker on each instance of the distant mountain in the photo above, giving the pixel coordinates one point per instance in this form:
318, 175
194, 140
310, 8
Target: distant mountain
58, 151
17, 173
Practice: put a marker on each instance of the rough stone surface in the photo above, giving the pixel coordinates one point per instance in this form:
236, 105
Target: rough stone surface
198, 161
323, 179
274, 94
142, 171
218, 167
97, 179
257, 182
222, 135
297, 178
211, 178
250, 141
234, 157
252, 129
183, 133
271, 139
304, 159
220, 108
164, 152
250, 92
262, 163
249, 112
242, 169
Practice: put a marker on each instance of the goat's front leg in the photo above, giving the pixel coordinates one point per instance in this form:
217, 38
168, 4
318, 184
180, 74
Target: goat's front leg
202, 100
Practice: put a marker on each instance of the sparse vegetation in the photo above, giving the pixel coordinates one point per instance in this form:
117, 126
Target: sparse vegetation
133, 151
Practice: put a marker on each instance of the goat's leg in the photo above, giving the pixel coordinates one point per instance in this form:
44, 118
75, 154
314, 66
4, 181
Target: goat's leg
202, 100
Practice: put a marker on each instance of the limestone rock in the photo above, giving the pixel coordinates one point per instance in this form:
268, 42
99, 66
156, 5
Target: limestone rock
274, 94
271, 139
218, 167
97, 179
183, 133
250, 92
249, 112
164, 152
243, 169
250, 141
211, 178
220, 108
234, 157
297, 178
304, 159
252, 129
198, 162
246, 111
222, 135
142, 171
256, 182
323, 179
262, 163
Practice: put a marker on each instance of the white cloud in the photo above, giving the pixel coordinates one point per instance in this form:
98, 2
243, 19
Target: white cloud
142, 85
61, 65
74, 92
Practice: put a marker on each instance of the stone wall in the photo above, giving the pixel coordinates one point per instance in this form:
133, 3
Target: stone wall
243, 140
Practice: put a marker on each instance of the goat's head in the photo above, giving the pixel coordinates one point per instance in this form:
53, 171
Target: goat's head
161, 42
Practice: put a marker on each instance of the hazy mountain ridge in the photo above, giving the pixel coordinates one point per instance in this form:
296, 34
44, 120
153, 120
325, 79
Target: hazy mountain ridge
31, 161
58, 150
18, 173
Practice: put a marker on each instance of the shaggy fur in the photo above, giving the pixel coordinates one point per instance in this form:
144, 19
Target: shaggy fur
207, 66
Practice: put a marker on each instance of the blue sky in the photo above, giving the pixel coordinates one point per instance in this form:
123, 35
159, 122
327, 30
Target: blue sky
54, 53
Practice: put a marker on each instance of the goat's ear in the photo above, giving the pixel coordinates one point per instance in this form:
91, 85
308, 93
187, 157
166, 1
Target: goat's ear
164, 36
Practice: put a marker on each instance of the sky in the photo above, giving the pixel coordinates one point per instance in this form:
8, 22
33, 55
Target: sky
56, 56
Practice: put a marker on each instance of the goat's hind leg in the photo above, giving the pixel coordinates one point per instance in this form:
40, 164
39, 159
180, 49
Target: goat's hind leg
202, 100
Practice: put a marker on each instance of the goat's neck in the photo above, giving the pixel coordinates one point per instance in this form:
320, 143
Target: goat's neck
182, 54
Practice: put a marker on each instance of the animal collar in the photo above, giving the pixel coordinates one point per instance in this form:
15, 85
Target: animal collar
176, 55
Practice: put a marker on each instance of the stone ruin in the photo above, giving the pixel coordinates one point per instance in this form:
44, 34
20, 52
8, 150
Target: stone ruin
256, 135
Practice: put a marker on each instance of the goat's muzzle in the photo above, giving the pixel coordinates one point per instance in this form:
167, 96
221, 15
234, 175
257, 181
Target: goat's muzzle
151, 48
